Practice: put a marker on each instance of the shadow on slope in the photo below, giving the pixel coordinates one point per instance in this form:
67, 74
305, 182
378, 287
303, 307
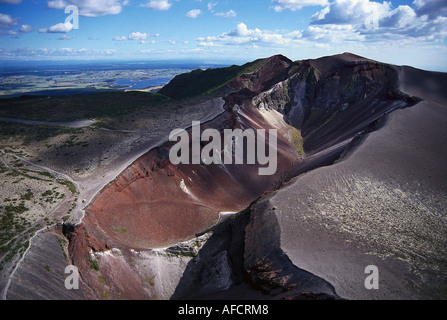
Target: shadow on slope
243, 260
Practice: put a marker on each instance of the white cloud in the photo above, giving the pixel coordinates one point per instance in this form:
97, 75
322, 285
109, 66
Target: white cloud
431, 8
58, 28
401, 17
56, 4
331, 34
64, 37
161, 5
211, 6
240, 30
6, 21
193, 13
207, 44
133, 36
90, 8
379, 21
242, 35
294, 5
350, 12
26, 28
399, 25
137, 36
228, 14
9, 32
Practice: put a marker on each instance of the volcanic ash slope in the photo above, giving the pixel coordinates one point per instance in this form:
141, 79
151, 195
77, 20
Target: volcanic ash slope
384, 204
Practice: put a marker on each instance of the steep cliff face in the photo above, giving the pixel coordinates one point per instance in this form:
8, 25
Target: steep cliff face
155, 204
271, 72
333, 98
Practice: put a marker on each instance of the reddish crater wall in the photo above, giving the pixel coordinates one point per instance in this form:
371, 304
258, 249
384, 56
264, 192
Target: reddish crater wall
154, 203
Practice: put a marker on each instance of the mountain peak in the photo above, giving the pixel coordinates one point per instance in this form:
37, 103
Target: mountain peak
280, 57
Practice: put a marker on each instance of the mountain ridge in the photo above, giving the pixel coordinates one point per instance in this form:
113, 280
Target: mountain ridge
228, 191
155, 213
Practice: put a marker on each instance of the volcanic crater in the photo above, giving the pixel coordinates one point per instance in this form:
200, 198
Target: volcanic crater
162, 231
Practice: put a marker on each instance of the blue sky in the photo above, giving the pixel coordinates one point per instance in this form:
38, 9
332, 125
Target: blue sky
401, 32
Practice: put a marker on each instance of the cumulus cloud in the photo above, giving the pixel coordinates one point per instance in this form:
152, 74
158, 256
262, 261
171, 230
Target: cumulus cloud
26, 28
240, 30
401, 17
6, 21
9, 32
141, 36
325, 36
350, 12
228, 14
90, 8
280, 5
193, 13
137, 36
331, 34
431, 8
379, 21
58, 28
56, 4
242, 35
161, 5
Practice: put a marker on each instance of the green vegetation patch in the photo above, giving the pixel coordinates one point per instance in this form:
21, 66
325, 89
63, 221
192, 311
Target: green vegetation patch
28, 195
11, 225
297, 140
30, 133
80, 106
202, 82
68, 184
94, 265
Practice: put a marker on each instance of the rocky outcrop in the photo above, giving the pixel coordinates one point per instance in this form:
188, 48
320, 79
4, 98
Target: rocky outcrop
242, 259
331, 99
272, 71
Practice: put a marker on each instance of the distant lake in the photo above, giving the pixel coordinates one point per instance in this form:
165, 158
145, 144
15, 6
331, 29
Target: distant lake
139, 84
